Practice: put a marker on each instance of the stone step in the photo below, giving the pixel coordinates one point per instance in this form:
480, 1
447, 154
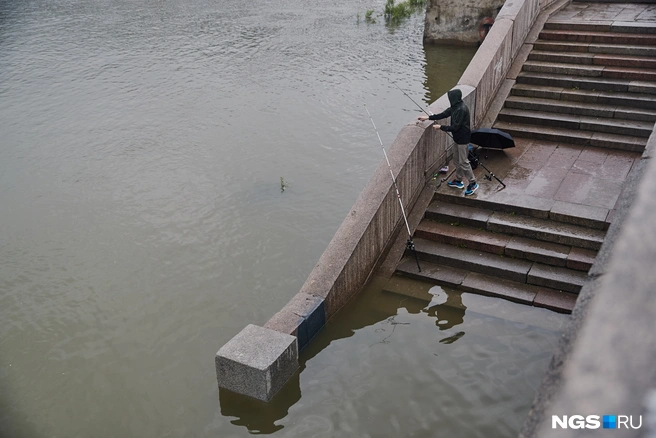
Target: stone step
598, 37
546, 230
597, 71
458, 214
592, 59
463, 236
511, 246
618, 49
433, 272
581, 259
573, 136
630, 101
586, 83
555, 277
472, 260
579, 108
577, 122
482, 284
559, 211
549, 253
602, 26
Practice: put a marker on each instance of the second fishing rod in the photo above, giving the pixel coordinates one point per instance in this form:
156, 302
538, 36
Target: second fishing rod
410, 245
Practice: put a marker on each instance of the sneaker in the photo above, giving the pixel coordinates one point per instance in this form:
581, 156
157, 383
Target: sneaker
445, 169
471, 188
456, 184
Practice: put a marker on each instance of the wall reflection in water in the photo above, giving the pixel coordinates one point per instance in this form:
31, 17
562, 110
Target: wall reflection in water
406, 358
446, 307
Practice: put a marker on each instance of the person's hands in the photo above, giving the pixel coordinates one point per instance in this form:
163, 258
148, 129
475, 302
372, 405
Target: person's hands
423, 118
436, 126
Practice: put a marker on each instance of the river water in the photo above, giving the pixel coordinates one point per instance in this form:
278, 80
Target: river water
142, 219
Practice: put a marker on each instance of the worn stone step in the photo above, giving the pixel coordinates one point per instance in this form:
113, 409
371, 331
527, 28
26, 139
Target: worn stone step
634, 74
507, 202
554, 277
546, 230
573, 121
560, 211
601, 71
482, 284
561, 107
628, 101
462, 236
592, 59
459, 214
586, 83
502, 244
598, 37
433, 272
581, 259
618, 49
602, 26
533, 250
580, 108
472, 260
573, 136
562, 68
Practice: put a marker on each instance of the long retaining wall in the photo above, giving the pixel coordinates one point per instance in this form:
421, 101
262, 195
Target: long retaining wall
258, 360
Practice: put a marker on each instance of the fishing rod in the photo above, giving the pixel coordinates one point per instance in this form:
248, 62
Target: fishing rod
409, 244
429, 113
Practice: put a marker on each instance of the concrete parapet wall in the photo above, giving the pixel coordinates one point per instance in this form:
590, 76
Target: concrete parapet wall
353, 254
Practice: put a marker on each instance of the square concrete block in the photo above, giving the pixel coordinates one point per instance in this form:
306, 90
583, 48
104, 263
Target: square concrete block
257, 362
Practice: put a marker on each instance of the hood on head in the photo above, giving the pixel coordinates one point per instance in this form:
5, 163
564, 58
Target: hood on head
455, 96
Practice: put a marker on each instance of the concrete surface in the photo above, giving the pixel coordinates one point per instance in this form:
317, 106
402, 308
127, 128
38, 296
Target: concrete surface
257, 362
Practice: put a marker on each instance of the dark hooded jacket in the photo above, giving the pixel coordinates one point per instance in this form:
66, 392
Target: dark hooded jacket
459, 118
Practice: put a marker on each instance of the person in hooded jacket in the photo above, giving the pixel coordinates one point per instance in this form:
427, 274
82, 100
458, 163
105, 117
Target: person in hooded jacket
461, 133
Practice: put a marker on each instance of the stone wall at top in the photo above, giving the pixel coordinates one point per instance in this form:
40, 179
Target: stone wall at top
458, 21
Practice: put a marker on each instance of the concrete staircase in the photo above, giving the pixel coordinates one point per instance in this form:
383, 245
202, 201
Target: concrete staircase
586, 83
490, 249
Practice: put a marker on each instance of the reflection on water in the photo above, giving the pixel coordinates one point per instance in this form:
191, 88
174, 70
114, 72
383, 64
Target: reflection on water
257, 416
448, 313
405, 358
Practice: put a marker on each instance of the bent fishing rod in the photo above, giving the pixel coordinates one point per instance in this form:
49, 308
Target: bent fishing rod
409, 244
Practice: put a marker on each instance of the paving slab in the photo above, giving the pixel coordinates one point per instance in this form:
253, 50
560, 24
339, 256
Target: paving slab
603, 193
547, 182
556, 278
574, 189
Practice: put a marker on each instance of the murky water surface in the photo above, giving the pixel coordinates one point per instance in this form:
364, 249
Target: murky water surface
142, 222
